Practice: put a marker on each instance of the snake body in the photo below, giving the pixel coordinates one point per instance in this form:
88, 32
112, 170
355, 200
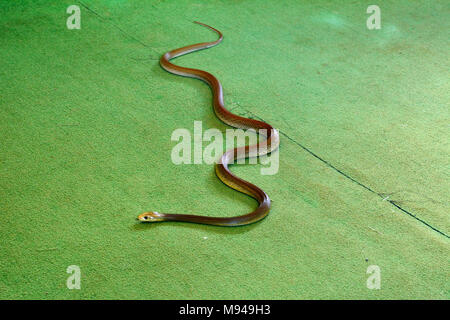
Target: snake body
221, 167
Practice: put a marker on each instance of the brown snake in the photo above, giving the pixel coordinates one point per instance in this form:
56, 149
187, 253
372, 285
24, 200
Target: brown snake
262, 148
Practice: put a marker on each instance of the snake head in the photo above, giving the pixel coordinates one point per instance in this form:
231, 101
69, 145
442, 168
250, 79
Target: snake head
151, 216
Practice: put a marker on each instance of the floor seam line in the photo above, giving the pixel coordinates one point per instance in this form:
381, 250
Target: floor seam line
113, 24
328, 164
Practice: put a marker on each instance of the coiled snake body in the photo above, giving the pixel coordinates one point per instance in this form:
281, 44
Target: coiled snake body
262, 148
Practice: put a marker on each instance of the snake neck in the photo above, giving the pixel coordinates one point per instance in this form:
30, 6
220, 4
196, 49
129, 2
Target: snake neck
258, 214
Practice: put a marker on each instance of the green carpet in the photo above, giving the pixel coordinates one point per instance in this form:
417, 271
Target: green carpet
87, 116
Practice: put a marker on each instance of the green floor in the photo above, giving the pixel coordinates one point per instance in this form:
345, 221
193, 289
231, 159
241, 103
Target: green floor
86, 120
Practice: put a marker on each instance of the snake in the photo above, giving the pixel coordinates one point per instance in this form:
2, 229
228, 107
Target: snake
261, 148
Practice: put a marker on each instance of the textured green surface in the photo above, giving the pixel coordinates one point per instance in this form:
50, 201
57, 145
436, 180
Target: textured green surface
86, 119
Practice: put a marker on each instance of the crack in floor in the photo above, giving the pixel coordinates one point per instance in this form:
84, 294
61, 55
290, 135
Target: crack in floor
103, 19
328, 164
